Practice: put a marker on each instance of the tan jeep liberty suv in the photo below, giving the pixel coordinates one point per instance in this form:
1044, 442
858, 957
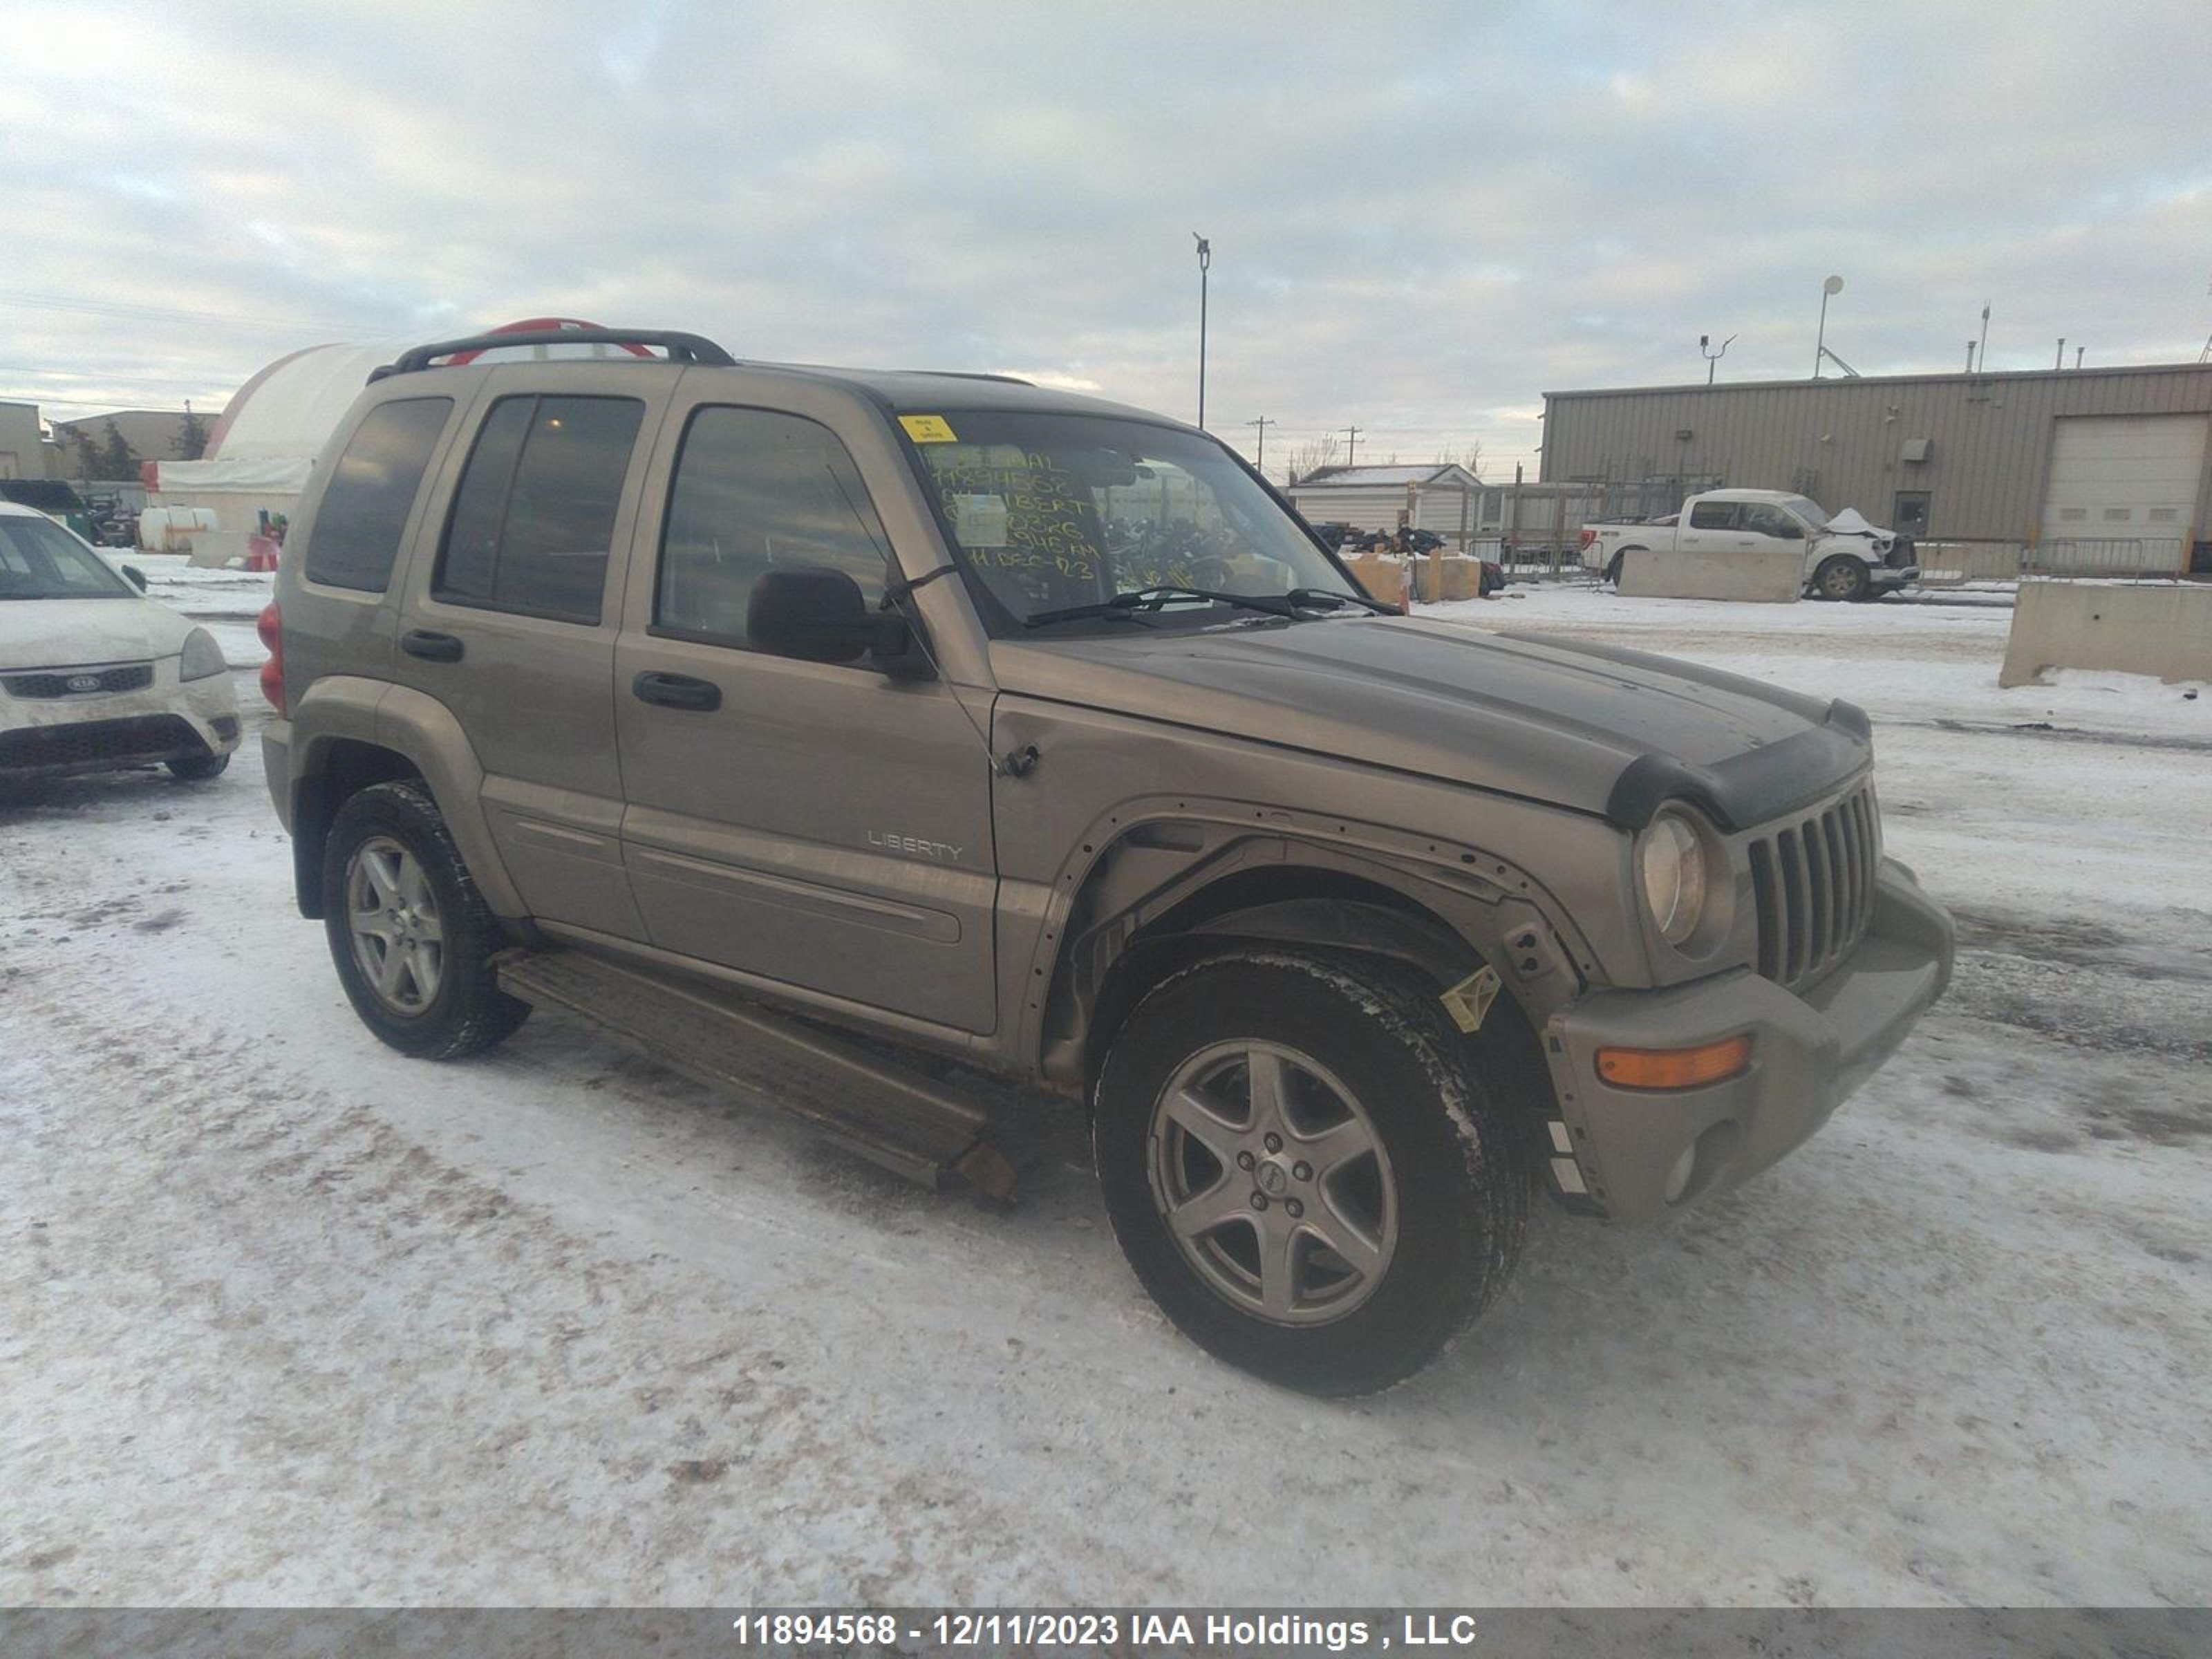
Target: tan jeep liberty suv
812, 728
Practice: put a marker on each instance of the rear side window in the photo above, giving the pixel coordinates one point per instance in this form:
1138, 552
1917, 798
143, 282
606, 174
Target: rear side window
757, 491
372, 490
534, 517
1712, 515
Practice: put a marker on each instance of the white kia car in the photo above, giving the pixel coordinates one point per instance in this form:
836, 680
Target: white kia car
95, 675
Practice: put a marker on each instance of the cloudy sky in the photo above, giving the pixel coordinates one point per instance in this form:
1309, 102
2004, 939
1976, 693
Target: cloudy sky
1423, 217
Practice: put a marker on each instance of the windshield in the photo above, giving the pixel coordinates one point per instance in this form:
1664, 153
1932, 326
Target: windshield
1807, 510
1058, 513
39, 560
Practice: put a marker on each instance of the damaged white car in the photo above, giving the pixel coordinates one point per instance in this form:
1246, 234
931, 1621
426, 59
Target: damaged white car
93, 675
1844, 557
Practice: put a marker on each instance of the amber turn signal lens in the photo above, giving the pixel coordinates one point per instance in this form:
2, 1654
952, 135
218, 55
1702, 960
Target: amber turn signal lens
1674, 1069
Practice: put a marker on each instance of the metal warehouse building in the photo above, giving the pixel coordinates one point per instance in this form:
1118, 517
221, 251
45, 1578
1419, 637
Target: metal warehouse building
2116, 458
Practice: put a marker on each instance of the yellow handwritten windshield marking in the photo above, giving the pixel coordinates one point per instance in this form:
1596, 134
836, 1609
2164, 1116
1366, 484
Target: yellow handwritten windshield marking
927, 429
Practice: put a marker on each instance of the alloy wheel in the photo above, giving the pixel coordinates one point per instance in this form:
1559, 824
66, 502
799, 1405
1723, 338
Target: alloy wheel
1274, 1182
399, 940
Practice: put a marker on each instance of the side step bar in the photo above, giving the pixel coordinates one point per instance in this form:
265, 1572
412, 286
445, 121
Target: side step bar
889, 1113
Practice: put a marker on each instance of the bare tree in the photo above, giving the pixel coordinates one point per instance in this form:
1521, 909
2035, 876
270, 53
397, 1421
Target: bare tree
1315, 453
1468, 456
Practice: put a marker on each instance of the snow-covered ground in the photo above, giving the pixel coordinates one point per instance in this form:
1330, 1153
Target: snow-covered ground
286, 1318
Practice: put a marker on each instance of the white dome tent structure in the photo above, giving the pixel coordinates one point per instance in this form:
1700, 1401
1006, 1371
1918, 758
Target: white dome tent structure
263, 446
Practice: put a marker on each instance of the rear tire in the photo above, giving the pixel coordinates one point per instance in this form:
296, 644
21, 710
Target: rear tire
1613, 567
411, 935
196, 768
1840, 579
1351, 1068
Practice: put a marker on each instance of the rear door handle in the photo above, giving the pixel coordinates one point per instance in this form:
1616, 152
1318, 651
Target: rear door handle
431, 647
677, 692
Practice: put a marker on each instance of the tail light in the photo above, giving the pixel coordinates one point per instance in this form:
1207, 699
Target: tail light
1588, 535
270, 628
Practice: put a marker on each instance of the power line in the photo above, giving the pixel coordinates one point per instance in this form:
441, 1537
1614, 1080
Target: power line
33, 301
122, 378
41, 398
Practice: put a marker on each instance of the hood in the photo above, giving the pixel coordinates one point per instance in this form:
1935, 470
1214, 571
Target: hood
65, 633
1852, 522
1589, 727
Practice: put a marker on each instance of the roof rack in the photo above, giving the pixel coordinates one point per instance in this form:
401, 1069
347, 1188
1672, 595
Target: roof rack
681, 348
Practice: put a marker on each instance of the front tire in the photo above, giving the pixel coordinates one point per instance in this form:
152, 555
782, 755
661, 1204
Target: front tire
196, 768
1304, 1170
411, 937
1840, 579
1613, 567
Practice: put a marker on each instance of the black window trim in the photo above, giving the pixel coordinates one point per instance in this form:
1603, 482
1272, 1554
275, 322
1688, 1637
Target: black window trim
343, 590
599, 618
655, 628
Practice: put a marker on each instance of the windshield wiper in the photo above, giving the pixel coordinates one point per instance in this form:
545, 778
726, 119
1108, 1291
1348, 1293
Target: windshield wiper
1152, 597
1329, 598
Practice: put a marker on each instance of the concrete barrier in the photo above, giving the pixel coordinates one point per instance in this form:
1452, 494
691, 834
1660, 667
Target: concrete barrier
2161, 629
1447, 576
1758, 576
1381, 574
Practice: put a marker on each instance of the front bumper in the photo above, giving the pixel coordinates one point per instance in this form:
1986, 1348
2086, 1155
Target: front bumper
1810, 1051
1884, 579
169, 720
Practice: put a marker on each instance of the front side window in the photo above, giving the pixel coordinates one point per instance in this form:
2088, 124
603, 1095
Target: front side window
371, 493
1713, 516
1763, 520
533, 520
757, 491
1051, 512
1807, 509
39, 560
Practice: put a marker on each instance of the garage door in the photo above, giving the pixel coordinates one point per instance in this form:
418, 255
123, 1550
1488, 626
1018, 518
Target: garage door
2124, 476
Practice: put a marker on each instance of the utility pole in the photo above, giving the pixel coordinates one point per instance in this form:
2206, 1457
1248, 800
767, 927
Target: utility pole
1204, 261
1351, 443
1263, 423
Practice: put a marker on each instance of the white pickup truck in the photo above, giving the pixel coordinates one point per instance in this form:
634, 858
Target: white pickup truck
1845, 557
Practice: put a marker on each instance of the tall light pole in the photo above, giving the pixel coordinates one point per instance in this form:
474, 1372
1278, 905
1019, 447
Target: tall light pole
1204, 260
1261, 463
1713, 358
1833, 286
1351, 443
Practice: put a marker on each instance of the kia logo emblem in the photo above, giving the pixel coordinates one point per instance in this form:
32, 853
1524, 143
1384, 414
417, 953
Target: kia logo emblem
82, 682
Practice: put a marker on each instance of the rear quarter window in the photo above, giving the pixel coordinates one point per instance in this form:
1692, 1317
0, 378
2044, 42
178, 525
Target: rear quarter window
371, 491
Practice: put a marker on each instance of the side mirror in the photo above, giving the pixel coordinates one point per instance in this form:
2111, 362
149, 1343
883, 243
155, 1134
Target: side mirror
134, 576
1791, 531
818, 615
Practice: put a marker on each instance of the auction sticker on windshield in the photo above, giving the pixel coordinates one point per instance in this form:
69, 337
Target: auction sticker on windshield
929, 428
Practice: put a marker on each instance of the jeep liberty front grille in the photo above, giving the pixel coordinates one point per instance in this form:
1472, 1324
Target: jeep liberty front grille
1813, 882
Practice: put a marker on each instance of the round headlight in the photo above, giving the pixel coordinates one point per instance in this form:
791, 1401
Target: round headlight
202, 657
1671, 864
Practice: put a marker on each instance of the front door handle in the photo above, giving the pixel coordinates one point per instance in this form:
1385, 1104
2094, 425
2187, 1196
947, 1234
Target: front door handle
676, 691
429, 646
